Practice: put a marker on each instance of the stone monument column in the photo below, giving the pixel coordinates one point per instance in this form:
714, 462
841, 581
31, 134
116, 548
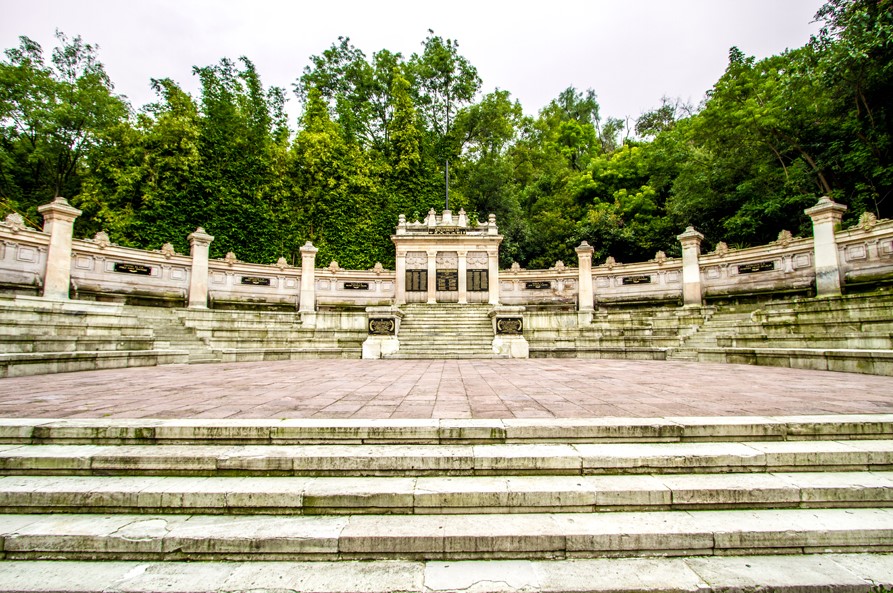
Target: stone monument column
691, 269
584, 259
825, 216
493, 273
400, 278
58, 222
463, 277
308, 278
200, 242
432, 276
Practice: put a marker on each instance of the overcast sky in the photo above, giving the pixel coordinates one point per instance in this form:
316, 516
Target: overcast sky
631, 52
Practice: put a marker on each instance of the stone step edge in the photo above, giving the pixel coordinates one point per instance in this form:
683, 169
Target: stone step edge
445, 537
508, 494
439, 431
446, 460
821, 573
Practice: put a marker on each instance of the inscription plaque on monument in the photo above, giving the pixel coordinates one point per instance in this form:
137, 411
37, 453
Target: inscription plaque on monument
139, 269
763, 266
447, 280
381, 326
447, 230
645, 279
417, 280
255, 280
539, 285
509, 325
356, 286
477, 280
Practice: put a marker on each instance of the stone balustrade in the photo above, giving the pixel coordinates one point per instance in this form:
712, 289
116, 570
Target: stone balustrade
40, 262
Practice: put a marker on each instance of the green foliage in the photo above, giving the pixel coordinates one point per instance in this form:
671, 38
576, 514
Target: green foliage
771, 136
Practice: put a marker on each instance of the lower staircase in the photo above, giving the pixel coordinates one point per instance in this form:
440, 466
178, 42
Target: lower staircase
444, 331
587, 505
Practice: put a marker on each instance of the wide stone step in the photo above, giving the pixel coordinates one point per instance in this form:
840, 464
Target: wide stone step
432, 495
445, 537
112, 431
853, 573
449, 460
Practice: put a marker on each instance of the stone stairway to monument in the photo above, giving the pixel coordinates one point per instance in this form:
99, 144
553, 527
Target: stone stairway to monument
609, 504
445, 330
170, 331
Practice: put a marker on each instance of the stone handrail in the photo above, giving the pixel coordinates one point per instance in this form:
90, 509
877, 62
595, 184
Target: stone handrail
96, 268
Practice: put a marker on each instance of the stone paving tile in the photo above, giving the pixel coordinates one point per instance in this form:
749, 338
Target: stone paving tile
443, 389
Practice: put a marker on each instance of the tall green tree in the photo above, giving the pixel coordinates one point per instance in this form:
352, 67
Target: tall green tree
51, 116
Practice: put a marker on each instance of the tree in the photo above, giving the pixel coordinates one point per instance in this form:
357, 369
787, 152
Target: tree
52, 115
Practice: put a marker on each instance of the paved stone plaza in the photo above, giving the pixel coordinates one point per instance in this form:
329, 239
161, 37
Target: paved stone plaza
366, 389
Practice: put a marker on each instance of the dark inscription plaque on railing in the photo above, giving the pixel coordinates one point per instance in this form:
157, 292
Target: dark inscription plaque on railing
381, 326
637, 279
139, 269
509, 325
356, 286
255, 280
447, 280
543, 285
762, 266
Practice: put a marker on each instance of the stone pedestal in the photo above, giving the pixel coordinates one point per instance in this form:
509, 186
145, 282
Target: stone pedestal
58, 222
383, 325
200, 243
586, 296
692, 293
825, 217
508, 325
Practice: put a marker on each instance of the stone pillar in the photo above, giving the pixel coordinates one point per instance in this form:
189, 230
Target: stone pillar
584, 263
825, 216
691, 269
493, 274
58, 222
463, 278
432, 275
308, 278
200, 242
400, 279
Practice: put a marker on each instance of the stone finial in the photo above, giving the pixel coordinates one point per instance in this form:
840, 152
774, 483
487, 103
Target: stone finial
660, 257
281, 263
491, 219
516, 267
102, 239
690, 235
431, 219
308, 248
559, 266
826, 210
167, 250
401, 220
15, 222
230, 258
463, 218
199, 237
722, 249
378, 268
784, 238
867, 221
334, 267
610, 262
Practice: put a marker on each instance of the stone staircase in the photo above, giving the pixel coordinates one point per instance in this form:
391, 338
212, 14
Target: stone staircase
170, 332
40, 337
697, 504
445, 331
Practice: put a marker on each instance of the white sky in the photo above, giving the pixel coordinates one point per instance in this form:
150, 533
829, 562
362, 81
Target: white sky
631, 52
